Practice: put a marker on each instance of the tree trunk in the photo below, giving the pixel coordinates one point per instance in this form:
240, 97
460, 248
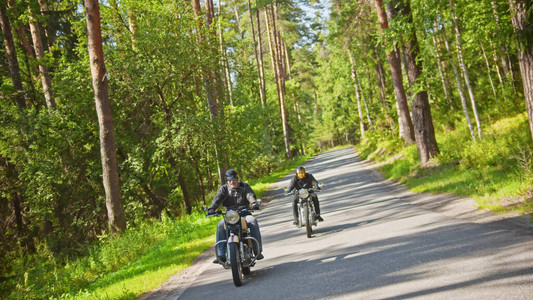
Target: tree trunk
364, 99
12, 60
396, 72
521, 24
503, 49
357, 95
459, 85
440, 64
227, 82
422, 119
35, 30
261, 91
115, 210
490, 76
278, 77
260, 53
463, 68
380, 76
210, 90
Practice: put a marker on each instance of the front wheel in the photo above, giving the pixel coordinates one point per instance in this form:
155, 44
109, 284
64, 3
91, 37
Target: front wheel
236, 266
308, 228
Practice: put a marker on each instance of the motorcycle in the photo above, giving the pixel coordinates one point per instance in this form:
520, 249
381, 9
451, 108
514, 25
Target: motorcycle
306, 208
240, 256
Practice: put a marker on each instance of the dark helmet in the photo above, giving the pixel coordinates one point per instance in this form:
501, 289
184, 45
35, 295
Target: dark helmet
231, 175
300, 172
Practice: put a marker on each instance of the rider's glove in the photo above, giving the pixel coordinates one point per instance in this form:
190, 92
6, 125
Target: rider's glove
256, 206
211, 211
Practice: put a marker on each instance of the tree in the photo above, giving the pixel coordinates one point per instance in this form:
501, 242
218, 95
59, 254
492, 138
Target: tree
397, 81
422, 119
35, 29
462, 64
520, 10
14, 69
115, 210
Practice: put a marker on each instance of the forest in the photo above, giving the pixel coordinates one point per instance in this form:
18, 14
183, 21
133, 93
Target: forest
121, 111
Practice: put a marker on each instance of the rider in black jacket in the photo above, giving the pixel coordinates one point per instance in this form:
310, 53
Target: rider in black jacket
235, 194
304, 180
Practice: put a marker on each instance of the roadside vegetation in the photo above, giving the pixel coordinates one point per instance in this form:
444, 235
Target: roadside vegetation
496, 172
123, 266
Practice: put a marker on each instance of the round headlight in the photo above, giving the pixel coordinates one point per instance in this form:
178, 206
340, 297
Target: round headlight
232, 217
304, 193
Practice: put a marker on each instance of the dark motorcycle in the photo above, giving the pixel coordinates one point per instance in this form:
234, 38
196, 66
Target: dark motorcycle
240, 256
306, 208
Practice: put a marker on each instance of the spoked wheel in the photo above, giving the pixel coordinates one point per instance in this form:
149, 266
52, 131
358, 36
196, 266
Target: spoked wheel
307, 215
236, 266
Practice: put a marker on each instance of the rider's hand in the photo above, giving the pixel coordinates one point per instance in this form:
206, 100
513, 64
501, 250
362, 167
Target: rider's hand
211, 211
256, 206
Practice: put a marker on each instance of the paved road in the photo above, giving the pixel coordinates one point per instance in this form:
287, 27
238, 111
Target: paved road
378, 241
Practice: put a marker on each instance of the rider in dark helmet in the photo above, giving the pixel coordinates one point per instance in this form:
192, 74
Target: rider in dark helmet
304, 180
235, 194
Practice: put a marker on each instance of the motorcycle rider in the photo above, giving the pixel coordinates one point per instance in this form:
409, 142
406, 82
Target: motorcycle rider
304, 180
238, 195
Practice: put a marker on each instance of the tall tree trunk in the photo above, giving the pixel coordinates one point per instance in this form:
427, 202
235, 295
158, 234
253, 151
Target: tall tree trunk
364, 98
422, 119
357, 95
210, 90
35, 30
521, 23
490, 76
462, 64
225, 65
44, 9
498, 72
115, 210
260, 53
459, 85
278, 76
261, 91
441, 66
380, 76
132, 20
396, 72
503, 49
12, 60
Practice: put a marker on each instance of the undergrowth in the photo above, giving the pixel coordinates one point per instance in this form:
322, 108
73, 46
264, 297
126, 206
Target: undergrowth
496, 171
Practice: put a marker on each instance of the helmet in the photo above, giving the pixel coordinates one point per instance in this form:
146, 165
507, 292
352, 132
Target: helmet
300, 172
231, 175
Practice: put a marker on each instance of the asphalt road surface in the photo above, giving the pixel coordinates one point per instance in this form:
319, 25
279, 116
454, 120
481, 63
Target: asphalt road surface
378, 241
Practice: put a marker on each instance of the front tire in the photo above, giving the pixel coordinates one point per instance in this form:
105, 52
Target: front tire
308, 228
236, 266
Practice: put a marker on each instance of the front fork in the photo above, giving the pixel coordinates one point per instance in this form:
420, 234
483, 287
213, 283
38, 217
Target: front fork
235, 239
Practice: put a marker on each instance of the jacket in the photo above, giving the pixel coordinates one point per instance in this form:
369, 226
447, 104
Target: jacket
308, 181
239, 198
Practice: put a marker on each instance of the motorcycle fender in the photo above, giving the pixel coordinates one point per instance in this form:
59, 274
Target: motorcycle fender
233, 239
244, 225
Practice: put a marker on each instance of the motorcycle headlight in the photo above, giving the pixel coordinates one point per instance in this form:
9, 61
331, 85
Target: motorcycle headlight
232, 217
303, 193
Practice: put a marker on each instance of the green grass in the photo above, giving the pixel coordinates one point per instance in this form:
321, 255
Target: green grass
491, 171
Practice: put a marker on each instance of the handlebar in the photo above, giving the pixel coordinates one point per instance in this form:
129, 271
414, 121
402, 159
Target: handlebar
311, 190
219, 212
